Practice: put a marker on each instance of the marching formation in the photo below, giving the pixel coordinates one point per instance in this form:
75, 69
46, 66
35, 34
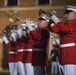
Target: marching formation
28, 42
27, 47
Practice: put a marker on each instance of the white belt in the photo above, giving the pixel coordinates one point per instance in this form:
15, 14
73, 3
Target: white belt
35, 49
20, 50
67, 45
12, 52
27, 49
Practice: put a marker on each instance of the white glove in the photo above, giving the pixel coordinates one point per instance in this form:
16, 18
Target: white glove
5, 39
51, 36
19, 31
13, 35
36, 24
10, 38
52, 24
55, 19
29, 26
28, 31
58, 41
54, 42
52, 55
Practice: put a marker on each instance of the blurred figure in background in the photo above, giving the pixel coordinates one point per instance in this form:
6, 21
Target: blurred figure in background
11, 53
54, 59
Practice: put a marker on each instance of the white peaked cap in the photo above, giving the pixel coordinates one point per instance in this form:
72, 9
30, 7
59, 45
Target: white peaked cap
44, 17
23, 24
73, 8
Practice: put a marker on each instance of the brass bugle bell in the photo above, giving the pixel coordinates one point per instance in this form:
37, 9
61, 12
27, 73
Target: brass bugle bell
43, 12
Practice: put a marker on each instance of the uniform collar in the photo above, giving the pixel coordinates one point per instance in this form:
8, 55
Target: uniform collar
43, 28
71, 21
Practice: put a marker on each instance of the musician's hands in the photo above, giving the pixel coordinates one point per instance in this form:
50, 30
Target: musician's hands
29, 26
5, 39
54, 18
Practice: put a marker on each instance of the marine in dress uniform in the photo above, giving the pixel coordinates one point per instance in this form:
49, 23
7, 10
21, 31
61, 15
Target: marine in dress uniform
20, 49
54, 58
27, 55
41, 37
67, 33
11, 55
57, 45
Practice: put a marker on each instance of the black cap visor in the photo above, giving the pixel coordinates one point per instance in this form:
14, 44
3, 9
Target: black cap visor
41, 19
68, 11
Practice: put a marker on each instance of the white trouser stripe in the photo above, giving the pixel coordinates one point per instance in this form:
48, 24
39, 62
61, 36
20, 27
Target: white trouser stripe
67, 45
